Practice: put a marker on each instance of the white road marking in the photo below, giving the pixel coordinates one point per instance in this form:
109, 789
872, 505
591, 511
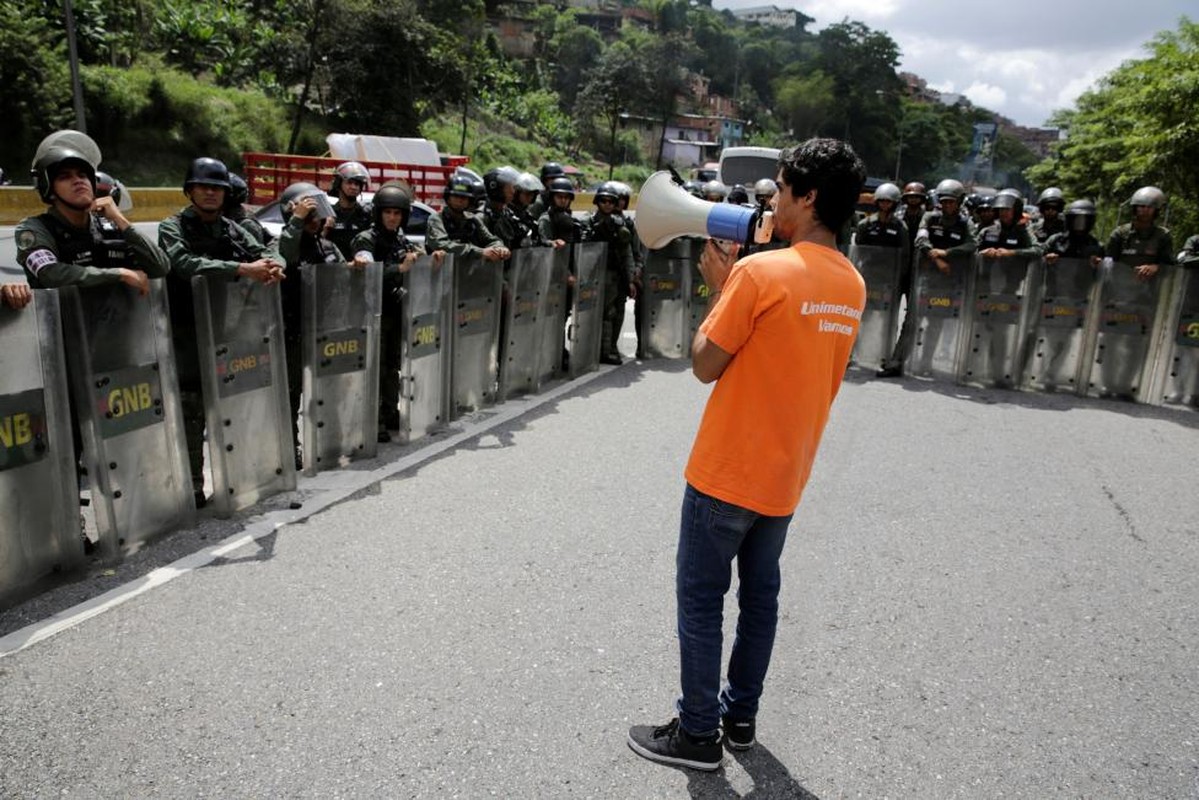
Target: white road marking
330, 488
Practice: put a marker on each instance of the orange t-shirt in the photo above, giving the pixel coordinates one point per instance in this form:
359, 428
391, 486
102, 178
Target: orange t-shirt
789, 317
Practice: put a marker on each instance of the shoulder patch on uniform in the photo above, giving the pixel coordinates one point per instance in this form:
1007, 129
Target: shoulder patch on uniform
38, 260
26, 239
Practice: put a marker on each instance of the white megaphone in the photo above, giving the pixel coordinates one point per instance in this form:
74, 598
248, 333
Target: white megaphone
666, 211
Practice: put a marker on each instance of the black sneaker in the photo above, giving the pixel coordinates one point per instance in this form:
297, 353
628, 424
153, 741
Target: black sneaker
889, 372
670, 744
200, 499
738, 733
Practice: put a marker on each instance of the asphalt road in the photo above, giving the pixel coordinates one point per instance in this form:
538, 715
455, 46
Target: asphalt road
986, 594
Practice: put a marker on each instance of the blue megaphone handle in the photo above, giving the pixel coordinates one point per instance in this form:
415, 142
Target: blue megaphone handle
728, 221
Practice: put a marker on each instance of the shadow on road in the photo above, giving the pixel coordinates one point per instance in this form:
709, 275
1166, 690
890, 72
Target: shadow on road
770, 777
1043, 401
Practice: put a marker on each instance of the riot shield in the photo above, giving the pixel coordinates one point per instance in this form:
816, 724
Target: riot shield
1121, 356
666, 321
1006, 292
126, 394
1061, 329
39, 526
697, 294
529, 282
1176, 367
477, 287
425, 355
552, 326
341, 307
587, 315
880, 268
243, 369
942, 317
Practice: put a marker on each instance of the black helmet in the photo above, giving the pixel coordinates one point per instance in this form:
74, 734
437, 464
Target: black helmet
46, 168
298, 191
560, 185
207, 172
607, 189
349, 171
459, 185
739, 195
694, 188
239, 191
1009, 198
106, 186
494, 181
1053, 198
391, 195
624, 194
1080, 216
550, 170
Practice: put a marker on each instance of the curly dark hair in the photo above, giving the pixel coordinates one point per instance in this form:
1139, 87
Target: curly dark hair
833, 169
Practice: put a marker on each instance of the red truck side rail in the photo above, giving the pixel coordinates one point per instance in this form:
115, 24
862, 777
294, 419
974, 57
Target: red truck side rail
268, 174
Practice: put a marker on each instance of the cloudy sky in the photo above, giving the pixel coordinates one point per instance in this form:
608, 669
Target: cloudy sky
1022, 58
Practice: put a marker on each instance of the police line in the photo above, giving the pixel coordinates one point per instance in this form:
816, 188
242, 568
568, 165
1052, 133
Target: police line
466, 341
1070, 326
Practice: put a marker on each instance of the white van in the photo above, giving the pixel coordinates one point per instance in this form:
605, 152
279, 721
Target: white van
747, 165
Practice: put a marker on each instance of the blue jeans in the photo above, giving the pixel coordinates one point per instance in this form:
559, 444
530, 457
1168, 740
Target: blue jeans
712, 533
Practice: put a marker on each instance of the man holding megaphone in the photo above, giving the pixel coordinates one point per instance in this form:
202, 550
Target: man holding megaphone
777, 338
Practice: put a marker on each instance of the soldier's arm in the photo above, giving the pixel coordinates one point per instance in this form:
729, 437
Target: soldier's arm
905, 242
545, 227
37, 252
485, 237
1167, 250
923, 244
1115, 245
436, 238
289, 241
148, 256
183, 261
1189, 256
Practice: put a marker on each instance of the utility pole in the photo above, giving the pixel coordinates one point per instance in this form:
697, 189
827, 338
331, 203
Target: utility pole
73, 57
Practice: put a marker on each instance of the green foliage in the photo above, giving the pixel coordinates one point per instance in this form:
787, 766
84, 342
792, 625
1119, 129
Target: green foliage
35, 87
1136, 128
806, 103
149, 120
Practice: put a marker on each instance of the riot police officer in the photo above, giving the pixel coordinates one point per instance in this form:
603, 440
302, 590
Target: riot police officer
67, 245
714, 191
1189, 255
350, 215
557, 221
738, 195
384, 242
944, 234
235, 209
549, 171
883, 228
1050, 203
458, 230
200, 240
606, 224
498, 216
914, 198
1076, 241
1143, 239
1007, 237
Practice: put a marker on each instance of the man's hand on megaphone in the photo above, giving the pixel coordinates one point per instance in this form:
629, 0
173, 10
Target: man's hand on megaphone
716, 263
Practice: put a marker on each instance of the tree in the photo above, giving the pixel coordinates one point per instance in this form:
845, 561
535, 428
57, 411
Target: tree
806, 103
1136, 128
615, 84
35, 88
